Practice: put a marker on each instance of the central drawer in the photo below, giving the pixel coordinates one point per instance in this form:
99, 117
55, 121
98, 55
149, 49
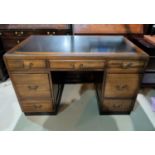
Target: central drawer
122, 85
76, 65
32, 85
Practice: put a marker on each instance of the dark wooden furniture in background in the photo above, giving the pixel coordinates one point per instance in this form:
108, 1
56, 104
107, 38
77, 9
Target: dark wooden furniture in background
12, 34
102, 29
147, 43
41, 65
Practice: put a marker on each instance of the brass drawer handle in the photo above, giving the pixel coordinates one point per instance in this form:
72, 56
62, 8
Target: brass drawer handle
116, 106
77, 66
28, 65
37, 106
33, 87
18, 41
48, 33
81, 66
16, 33
0, 33
53, 32
73, 65
19, 33
126, 65
121, 87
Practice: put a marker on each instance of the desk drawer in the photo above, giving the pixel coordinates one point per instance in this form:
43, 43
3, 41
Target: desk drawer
32, 85
116, 105
75, 65
33, 91
21, 79
125, 65
26, 64
37, 106
122, 85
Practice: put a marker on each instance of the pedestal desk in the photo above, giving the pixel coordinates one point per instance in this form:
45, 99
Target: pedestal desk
41, 65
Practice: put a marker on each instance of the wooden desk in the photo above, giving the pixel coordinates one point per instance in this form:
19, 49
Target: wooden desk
41, 65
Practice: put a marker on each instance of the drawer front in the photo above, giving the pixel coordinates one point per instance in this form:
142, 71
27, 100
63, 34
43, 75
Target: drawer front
32, 85
33, 90
122, 85
116, 105
21, 79
74, 65
125, 65
26, 64
149, 78
37, 106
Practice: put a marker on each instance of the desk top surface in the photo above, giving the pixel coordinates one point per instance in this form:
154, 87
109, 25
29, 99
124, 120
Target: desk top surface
73, 44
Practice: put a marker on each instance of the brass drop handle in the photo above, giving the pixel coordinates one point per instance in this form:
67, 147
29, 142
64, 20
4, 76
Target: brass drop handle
116, 106
21, 32
121, 87
73, 65
48, 33
0, 33
81, 66
53, 33
18, 41
28, 65
33, 87
37, 106
126, 65
16, 33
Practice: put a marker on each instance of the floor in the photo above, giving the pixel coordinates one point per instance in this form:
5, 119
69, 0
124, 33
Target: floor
78, 112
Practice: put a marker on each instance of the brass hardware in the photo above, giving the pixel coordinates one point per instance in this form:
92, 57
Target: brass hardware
37, 106
53, 32
28, 65
0, 33
81, 66
16, 33
33, 87
73, 65
18, 41
126, 65
116, 106
48, 33
121, 87
21, 32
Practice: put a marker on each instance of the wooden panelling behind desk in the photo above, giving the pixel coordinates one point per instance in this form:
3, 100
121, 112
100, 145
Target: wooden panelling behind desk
108, 28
